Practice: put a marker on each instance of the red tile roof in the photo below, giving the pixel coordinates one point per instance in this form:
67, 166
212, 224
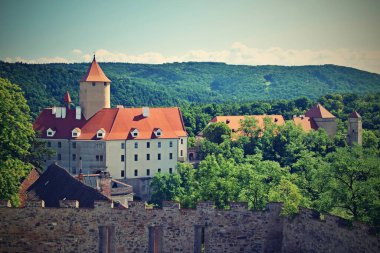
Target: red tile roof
306, 123
26, 183
67, 98
318, 111
234, 121
355, 115
117, 123
95, 74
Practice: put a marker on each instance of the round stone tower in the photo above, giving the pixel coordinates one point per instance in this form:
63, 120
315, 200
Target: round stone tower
95, 91
355, 129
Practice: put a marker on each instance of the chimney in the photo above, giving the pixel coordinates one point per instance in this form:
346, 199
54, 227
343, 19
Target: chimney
105, 183
145, 112
78, 112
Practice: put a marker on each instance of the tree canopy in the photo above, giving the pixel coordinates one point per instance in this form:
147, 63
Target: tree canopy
16, 136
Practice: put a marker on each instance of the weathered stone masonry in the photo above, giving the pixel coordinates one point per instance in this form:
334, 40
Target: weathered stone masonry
105, 229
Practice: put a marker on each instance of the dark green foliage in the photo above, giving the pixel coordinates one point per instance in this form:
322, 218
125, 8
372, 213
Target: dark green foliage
217, 132
16, 135
180, 83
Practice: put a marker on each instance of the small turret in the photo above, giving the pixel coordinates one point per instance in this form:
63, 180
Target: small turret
67, 100
355, 129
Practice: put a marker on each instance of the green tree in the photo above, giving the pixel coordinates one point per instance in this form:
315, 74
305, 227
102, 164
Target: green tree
16, 135
166, 186
217, 132
289, 194
354, 183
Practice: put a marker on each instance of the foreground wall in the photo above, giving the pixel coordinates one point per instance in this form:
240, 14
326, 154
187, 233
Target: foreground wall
105, 229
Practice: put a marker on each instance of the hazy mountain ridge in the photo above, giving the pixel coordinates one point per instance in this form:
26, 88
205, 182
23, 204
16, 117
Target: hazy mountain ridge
175, 83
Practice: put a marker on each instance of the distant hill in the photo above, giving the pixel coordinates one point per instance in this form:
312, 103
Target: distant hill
177, 83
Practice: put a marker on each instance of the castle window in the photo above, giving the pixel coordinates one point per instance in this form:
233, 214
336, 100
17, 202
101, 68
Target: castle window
148, 145
134, 132
74, 156
59, 157
97, 158
76, 132
148, 157
181, 141
170, 144
59, 144
105, 84
93, 84
181, 152
157, 132
136, 145
170, 170
136, 158
50, 132
170, 156
122, 158
159, 144
136, 173
122, 145
74, 145
73, 170
158, 156
49, 144
159, 170
101, 133
122, 174
101, 158
148, 172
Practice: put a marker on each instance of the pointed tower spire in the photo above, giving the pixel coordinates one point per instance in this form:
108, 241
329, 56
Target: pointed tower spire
67, 99
95, 91
95, 73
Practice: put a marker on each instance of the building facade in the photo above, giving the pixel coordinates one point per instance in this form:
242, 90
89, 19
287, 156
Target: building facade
132, 144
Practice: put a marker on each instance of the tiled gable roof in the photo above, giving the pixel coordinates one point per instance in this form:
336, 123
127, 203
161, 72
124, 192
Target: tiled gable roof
56, 184
117, 123
318, 111
26, 183
355, 115
234, 121
306, 123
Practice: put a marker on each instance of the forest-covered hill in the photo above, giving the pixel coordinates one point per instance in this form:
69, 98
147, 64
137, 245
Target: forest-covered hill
178, 83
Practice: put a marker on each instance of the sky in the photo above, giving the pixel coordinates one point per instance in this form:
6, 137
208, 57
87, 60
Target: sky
249, 32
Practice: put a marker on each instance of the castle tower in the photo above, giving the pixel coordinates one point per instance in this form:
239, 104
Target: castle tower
95, 92
355, 129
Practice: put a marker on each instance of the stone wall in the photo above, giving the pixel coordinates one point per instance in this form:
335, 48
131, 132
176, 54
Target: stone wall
171, 229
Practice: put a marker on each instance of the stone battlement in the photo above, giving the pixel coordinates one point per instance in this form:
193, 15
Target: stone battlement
108, 228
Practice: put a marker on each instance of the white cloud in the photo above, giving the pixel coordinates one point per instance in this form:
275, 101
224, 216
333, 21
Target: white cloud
39, 60
239, 53
77, 51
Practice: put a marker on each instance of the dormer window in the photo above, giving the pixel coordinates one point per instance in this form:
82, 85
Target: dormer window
157, 132
75, 133
101, 133
134, 132
50, 132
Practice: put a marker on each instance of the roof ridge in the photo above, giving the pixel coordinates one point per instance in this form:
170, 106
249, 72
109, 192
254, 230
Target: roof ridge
114, 119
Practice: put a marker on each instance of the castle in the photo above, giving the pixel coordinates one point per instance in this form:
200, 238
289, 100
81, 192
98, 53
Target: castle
315, 118
132, 144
